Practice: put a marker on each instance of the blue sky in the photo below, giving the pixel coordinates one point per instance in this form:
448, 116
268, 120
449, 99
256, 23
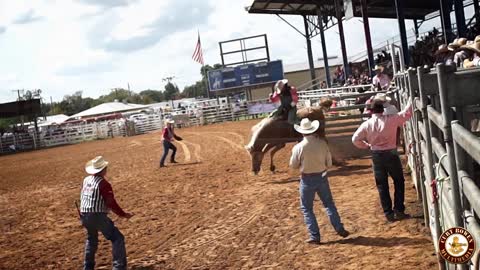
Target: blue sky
62, 46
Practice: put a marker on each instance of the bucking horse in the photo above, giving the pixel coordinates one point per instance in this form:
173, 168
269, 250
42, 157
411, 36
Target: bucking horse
272, 134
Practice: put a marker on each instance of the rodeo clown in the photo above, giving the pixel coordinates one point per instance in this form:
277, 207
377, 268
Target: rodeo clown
96, 200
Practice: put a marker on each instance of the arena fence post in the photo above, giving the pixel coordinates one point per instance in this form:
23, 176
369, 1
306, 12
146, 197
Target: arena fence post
447, 133
417, 153
429, 160
34, 139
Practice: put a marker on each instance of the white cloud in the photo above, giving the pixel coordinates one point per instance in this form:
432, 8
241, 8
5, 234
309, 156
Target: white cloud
97, 45
27, 17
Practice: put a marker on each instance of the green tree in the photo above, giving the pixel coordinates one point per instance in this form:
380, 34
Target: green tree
171, 91
200, 87
152, 95
205, 69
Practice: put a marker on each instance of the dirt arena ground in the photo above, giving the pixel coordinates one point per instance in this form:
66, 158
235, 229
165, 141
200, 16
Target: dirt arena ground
208, 212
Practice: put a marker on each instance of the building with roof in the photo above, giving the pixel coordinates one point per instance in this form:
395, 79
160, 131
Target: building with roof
109, 108
299, 73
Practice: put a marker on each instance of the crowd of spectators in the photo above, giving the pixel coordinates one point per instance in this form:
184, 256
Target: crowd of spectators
431, 49
360, 72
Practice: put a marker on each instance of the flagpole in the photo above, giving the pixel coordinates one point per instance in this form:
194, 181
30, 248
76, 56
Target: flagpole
206, 80
198, 57
203, 67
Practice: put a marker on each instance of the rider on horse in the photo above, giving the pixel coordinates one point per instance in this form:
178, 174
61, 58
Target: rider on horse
286, 97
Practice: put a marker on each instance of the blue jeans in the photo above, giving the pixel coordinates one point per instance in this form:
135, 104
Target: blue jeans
95, 222
167, 146
387, 163
309, 185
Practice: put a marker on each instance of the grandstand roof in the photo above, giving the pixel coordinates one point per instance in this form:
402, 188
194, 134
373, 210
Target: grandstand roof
108, 108
413, 9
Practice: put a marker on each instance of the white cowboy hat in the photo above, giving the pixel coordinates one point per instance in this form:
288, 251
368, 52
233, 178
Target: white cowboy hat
278, 89
457, 43
96, 165
378, 67
307, 127
169, 121
473, 46
382, 97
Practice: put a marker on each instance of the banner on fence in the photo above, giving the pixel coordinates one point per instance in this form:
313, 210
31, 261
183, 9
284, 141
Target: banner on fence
260, 107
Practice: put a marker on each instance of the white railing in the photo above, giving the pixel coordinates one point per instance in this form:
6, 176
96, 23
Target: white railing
328, 92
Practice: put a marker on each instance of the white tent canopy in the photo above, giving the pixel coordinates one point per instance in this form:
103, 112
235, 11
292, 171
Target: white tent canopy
108, 108
52, 119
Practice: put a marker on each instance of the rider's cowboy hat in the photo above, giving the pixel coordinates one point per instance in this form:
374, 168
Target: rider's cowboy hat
457, 43
442, 49
279, 85
307, 127
378, 67
169, 121
96, 165
475, 46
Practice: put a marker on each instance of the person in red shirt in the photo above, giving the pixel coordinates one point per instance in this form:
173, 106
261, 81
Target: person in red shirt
168, 135
96, 199
286, 97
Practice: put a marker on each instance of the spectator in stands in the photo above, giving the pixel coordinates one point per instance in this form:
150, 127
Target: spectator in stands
339, 75
422, 51
168, 135
383, 57
441, 54
313, 158
379, 134
286, 97
457, 55
365, 79
380, 81
474, 60
323, 85
96, 200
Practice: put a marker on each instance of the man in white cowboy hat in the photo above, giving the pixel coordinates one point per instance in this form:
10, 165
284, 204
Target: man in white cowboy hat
286, 98
474, 47
313, 158
389, 108
380, 80
168, 135
96, 200
379, 134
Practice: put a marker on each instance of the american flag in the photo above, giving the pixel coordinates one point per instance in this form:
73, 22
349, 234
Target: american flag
197, 54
